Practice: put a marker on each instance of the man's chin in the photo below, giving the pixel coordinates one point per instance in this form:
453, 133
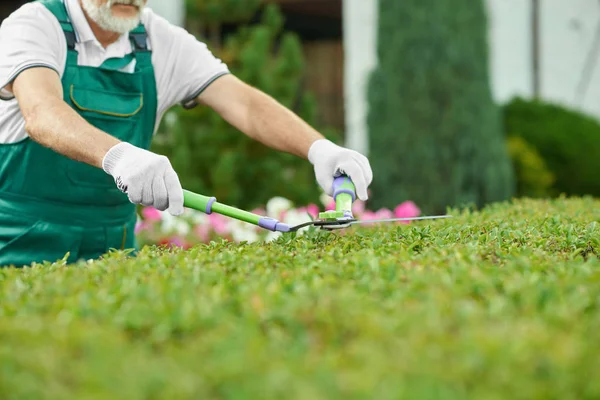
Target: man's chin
120, 25
114, 18
125, 11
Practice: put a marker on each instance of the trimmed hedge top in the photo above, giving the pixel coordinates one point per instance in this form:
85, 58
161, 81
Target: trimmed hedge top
501, 303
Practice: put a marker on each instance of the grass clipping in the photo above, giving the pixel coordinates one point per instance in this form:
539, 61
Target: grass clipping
502, 303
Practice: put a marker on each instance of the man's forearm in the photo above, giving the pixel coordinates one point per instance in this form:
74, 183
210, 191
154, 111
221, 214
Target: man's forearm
52, 123
57, 126
277, 127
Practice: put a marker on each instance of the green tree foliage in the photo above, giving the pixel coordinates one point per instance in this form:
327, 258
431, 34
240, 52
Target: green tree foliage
436, 135
567, 140
222, 11
208, 16
214, 158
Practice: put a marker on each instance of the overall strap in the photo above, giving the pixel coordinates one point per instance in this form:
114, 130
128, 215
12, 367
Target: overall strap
57, 7
138, 38
140, 52
139, 44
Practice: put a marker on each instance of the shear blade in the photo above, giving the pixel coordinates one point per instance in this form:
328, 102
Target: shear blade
340, 224
329, 226
345, 223
371, 221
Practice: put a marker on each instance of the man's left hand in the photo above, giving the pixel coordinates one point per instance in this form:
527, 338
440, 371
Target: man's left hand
330, 161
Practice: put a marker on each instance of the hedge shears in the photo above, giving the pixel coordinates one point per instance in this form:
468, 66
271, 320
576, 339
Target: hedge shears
344, 194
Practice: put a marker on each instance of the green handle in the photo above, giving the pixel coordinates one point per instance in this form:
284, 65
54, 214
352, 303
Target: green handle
344, 194
209, 205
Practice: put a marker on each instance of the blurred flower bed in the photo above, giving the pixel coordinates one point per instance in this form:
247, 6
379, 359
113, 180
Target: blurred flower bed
193, 227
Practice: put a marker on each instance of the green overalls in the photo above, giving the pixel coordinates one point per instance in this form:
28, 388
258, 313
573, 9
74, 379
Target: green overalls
51, 205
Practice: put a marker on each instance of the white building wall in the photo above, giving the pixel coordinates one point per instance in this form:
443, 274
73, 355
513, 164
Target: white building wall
567, 38
509, 36
172, 10
568, 34
360, 52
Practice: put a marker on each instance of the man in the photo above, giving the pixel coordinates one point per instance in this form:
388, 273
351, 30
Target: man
83, 86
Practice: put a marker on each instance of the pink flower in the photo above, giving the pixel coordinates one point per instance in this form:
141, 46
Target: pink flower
177, 242
369, 215
201, 231
313, 210
330, 206
408, 209
358, 208
384, 213
218, 223
173, 241
151, 214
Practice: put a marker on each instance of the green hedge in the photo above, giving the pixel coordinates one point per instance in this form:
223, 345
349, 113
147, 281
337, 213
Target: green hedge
498, 304
568, 141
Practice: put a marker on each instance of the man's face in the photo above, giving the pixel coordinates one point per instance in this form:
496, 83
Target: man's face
119, 16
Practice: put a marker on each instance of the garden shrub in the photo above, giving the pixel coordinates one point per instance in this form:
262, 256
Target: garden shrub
567, 140
532, 175
435, 132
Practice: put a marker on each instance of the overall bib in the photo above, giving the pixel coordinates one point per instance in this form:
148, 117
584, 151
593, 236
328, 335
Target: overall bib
51, 205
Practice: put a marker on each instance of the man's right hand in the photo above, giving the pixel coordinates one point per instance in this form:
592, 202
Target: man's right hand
146, 177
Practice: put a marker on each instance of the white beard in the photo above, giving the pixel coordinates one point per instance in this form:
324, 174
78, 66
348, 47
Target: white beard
102, 15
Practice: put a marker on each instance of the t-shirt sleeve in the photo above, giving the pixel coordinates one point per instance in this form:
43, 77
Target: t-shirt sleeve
184, 66
30, 37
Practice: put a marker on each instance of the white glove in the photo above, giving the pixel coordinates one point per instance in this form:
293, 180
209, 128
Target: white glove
146, 177
331, 161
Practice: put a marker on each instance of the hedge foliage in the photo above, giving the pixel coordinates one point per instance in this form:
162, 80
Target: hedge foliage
497, 304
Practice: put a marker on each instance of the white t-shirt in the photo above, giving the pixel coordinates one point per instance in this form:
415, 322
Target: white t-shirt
32, 36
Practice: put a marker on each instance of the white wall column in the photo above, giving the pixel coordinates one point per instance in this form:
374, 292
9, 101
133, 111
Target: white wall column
570, 49
172, 10
360, 52
510, 53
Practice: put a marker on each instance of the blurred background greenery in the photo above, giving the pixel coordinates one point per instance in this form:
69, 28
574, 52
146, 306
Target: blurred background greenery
215, 158
436, 134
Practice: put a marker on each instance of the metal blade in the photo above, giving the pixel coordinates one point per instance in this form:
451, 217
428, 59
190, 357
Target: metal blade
398, 219
341, 224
